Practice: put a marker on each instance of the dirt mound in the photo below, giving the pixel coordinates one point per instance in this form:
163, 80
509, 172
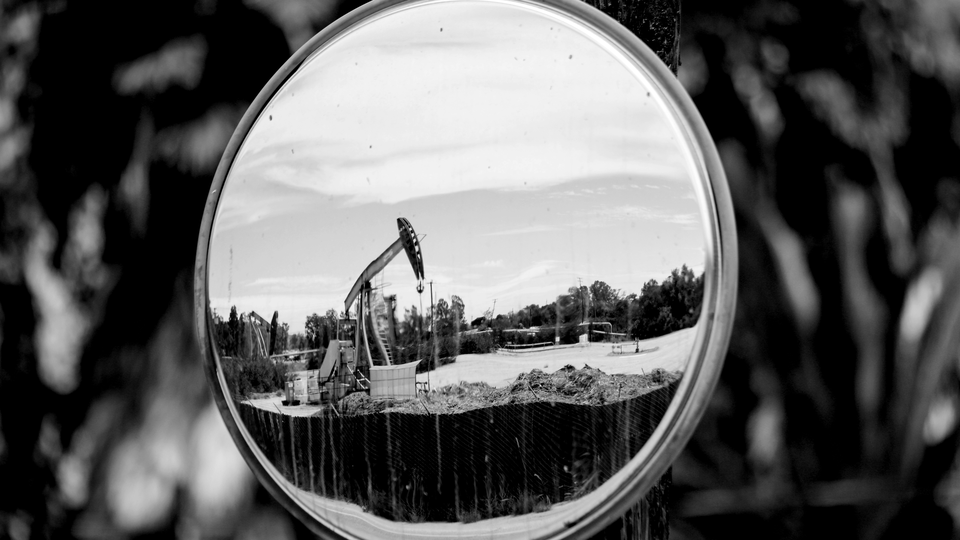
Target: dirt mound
360, 403
585, 386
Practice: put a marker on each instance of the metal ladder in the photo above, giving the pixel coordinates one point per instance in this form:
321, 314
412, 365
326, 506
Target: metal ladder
385, 344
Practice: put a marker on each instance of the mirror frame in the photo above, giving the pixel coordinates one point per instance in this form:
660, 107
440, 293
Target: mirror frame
631, 483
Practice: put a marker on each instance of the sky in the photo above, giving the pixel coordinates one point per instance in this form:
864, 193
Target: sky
526, 155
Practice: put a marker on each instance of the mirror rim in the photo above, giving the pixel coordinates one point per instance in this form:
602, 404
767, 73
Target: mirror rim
632, 482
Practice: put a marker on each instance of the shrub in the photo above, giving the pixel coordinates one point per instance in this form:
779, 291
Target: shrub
314, 361
478, 344
245, 377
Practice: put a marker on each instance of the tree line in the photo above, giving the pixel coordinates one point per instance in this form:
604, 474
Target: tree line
237, 336
659, 308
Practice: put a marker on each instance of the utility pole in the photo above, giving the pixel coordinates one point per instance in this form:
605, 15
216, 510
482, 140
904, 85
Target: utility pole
580, 290
433, 333
431, 307
420, 321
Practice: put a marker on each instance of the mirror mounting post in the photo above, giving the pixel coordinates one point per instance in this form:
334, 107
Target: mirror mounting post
656, 23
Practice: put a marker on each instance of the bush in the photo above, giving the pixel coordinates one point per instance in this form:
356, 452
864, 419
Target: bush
448, 346
256, 376
478, 344
314, 361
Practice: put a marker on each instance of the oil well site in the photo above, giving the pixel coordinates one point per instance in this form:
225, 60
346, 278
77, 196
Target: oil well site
459, 422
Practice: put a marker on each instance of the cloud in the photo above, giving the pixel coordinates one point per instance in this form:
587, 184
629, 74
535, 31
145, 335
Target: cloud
683, 219
524, 279
524, 230
543, 279
492, 123
490, 264
417, 169
251, 199
605, 216
293, 284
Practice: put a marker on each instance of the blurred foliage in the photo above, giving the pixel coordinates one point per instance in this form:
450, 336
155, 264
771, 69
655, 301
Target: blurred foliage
113, 116
836, 414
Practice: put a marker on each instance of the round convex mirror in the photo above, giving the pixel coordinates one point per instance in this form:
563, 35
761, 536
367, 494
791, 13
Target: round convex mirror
467, 269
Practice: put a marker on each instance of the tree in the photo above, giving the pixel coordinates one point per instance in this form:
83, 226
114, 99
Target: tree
273, 332
234, 332
283, 336
329, 328
222, 334
577, 303
548, 314
530, 316
669, 306
297, 341
603, 299
247, 349
441, 312
457, 309
623, 313
409, 336
313, 330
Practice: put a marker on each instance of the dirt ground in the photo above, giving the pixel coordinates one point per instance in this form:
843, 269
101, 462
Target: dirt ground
572, 374
584, 386
670, 352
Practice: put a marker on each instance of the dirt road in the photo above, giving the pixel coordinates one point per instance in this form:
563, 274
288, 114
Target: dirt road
498, 370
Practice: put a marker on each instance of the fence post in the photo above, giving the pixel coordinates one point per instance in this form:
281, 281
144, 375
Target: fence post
310, 452
293, 453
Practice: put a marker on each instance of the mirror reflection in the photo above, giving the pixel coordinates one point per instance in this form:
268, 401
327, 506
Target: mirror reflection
457, 266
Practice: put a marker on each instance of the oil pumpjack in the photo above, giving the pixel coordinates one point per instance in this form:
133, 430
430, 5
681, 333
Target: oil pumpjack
340, 372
